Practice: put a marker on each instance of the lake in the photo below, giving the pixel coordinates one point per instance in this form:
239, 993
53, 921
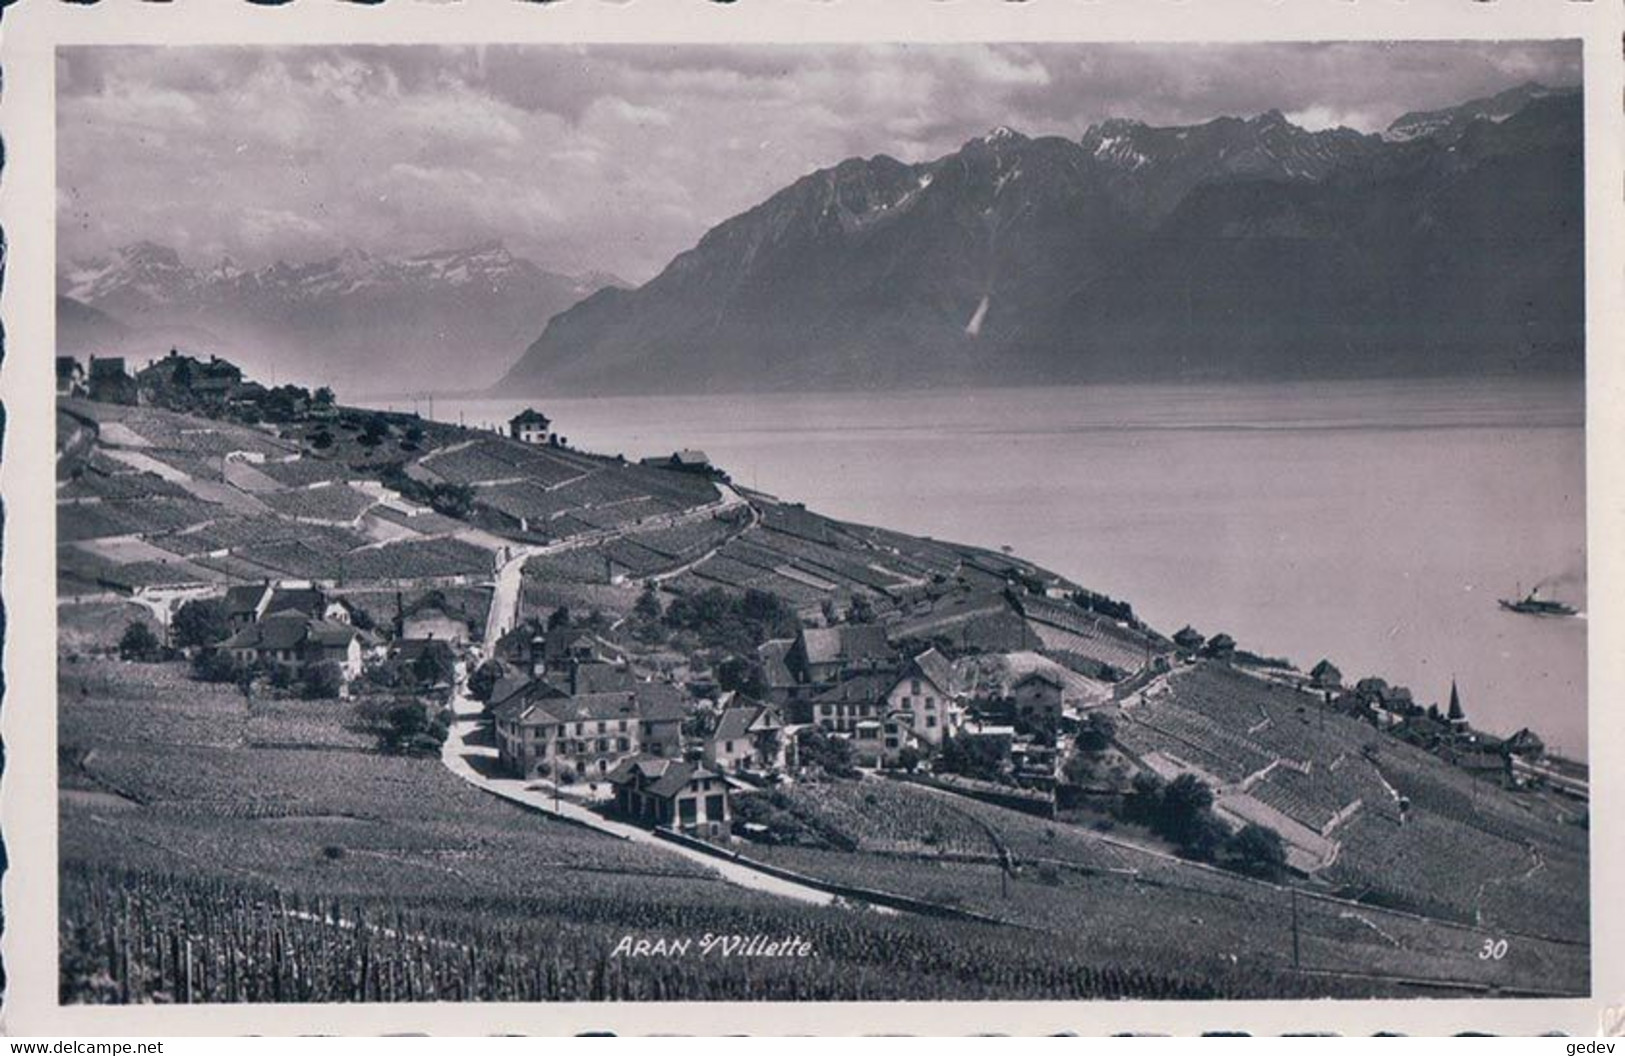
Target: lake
1374, 523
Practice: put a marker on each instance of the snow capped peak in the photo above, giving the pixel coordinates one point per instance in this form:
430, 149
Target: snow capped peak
148, 274
1116, 126
1003, 135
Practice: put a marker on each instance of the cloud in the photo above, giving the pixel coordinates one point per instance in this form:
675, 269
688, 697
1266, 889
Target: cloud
619, 157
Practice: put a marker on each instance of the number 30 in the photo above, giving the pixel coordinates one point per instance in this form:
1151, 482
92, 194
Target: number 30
1494, 950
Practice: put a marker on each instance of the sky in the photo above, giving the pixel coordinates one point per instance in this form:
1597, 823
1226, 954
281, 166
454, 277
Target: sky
616, 158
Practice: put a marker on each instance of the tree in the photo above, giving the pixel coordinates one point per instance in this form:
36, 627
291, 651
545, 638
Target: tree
451, 500
743, 676
216, 665
374, 431
200, 622
1079, 769
410, 729
484, 680
814, 747
1186, 797
982, 758
1098, 732
862, 610
407, 719
138, 643
321, 439
559, 617
1256, 851
434, 666
648, 604
324, 396
322, 681
1144, 801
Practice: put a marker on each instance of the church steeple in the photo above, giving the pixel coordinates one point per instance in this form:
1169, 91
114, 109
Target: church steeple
1457, 716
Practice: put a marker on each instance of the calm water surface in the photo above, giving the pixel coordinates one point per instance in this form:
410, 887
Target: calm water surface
1374, 523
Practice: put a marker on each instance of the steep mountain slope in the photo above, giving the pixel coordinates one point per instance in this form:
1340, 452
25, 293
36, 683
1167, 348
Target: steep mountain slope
449, 319
1232, 249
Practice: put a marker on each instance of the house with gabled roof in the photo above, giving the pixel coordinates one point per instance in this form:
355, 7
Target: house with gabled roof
822, 655
246, 604
672, 794
545, 730
924, 692
841, 707
531, 426
746, 736
1038, 696
293, 642
777, 678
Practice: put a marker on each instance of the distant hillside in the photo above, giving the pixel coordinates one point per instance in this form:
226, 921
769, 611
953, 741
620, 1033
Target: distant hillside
82, 330
447, 320
1232, 249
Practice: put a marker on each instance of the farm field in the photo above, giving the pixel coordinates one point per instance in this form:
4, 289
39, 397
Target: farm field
290, 870
1467, 851
1163, 912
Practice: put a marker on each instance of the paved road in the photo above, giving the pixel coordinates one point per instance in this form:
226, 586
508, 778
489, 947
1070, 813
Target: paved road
505, 598
459, 758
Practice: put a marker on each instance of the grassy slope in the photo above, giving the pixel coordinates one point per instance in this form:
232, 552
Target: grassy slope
177, 820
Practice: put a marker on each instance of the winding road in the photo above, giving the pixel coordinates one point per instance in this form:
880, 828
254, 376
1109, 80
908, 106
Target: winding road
474, 764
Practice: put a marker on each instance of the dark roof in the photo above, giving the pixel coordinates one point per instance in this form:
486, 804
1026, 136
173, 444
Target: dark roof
507, 686
1040, 675
658, 776
821, 645
540, 702
328, 633
594, 677
289, 631
774, 670
434, 603
865, 641
935, 668
307, 601
243, 600
848, 643
735, 723
410, 649
856, 690
529, 416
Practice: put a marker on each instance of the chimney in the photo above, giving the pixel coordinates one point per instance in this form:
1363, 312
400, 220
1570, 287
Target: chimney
538, 656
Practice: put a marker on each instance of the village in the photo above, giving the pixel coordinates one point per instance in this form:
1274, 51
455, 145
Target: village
723, 647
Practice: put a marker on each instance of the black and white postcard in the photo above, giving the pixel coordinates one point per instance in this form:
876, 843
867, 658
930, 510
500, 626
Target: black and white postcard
995, 517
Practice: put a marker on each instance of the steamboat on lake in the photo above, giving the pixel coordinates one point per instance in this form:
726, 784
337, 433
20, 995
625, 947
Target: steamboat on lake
1532, 604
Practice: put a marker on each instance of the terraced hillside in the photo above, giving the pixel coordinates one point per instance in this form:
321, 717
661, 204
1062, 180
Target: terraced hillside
1462, 849
305, 867
157, 503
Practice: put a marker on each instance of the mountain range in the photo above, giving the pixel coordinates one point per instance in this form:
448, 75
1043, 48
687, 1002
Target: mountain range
446, 320
1234, 249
